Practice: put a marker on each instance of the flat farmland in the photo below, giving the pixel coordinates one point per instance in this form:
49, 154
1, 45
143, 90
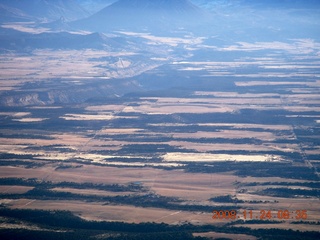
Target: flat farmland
189, 187
111, 138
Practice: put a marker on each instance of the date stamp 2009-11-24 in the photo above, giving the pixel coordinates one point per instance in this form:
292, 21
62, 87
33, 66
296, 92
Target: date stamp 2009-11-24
260, 215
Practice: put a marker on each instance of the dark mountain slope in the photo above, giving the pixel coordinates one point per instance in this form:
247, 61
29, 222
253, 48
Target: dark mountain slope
15, 40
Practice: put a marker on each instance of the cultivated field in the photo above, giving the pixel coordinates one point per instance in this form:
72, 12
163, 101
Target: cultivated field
121, 137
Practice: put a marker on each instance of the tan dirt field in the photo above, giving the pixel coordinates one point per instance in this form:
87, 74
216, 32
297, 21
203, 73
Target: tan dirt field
100, 212
192, 188
8, 189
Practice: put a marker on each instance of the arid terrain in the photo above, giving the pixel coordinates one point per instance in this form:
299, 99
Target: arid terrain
167, 130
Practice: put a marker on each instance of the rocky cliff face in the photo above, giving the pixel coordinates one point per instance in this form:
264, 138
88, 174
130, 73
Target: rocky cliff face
69, 94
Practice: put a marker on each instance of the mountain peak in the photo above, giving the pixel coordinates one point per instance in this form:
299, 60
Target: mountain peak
144, 14
150, 4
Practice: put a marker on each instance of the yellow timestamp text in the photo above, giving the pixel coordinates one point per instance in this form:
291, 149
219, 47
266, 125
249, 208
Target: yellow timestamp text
260, 214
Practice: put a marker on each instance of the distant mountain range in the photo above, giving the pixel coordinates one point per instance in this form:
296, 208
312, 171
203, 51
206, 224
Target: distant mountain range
144, 14
229, 19
124, 13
